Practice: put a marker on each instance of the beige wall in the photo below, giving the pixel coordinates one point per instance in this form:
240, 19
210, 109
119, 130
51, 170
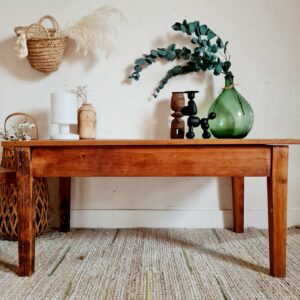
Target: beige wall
264, 46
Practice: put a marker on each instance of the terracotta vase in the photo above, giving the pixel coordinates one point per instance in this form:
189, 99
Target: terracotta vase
177, 124
87, 121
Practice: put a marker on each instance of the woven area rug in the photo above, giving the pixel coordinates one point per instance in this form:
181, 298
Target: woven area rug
151, 264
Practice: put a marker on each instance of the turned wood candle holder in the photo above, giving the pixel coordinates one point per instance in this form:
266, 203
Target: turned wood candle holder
177, 124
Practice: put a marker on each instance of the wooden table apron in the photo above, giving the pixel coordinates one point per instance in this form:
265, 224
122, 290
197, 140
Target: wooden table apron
154, 158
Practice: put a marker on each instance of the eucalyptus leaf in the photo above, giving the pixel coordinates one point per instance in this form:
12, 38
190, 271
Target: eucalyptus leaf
178, 53
149, 57
185, 70
204, 43
218, 69
210, 34
194, 41
188, 31
135, 76
182, 28
148, 61
162, 52
191, 66
226, 66
213, 58
198, 50
192, 26
140, 61
193, 57
171, 55
154, 53
172, 47
199, 63
220, 43
138, 68
176, 26
214, 49
225, 46
203, 29
207, 53
186, 50
197, 68
196, 24
177, 70
197, 31
210, 67
169, 74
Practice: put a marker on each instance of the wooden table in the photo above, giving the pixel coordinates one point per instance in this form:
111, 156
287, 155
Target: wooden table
234, 158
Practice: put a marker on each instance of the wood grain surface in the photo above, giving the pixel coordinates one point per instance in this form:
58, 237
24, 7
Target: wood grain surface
26, 207
162, 142
151, 161
277, 207
238, 204
64, 203
7, 175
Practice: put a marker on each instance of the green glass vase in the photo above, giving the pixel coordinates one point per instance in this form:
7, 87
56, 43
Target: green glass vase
234, 115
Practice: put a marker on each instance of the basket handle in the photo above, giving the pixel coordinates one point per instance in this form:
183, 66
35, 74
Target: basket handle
32, 119
53, 22
36, 26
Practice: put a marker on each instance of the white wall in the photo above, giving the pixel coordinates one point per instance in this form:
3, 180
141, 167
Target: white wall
264, 45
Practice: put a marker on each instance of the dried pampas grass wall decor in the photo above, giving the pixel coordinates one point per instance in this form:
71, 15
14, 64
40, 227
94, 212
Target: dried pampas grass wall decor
95, 31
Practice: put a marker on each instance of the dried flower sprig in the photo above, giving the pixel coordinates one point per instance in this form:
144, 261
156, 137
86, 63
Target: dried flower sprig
81, 93
95, 31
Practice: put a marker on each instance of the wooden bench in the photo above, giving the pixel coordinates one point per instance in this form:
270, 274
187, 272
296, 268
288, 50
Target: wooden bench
235, 158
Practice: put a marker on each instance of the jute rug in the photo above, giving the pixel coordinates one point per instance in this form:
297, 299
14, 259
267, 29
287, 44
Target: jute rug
151, 264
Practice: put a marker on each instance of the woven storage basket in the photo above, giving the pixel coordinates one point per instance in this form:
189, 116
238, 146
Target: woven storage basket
45, 45
8, 197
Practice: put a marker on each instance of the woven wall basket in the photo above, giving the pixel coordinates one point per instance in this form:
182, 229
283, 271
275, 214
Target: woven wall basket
45, 45
8, 201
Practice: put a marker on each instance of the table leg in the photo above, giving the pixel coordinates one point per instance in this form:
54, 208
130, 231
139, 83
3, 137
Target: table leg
64, 203
26, 208
238, 204
277, 207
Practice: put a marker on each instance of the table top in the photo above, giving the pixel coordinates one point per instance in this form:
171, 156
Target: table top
149, 142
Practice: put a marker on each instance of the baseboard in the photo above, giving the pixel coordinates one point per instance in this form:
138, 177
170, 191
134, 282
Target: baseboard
172, 218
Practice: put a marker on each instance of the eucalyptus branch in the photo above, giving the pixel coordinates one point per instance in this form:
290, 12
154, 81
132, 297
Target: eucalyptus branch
205, 56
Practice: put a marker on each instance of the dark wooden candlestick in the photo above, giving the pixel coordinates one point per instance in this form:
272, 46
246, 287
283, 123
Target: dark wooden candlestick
193, 121
177, 124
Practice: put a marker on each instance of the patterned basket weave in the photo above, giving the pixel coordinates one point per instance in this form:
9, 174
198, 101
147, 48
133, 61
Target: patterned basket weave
45, 45
8, 201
